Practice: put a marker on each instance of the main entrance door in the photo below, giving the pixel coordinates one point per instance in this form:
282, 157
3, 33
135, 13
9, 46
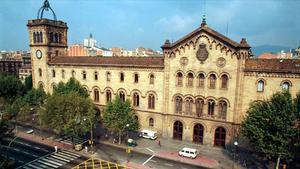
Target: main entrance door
198, 133
220, 137
177, 130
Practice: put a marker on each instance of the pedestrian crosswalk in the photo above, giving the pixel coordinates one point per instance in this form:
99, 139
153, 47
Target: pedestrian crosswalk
53, 160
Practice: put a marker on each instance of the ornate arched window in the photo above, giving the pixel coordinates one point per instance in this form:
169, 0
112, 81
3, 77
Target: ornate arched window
190, 79
73, 73
222, 109
136, 78
41, 86
122, 96
96, 95
260, 86
63, 74
108, 76
178, 104
285, 85
40, 72
108, 96
151, 101
34, 37
53, 73
179, 78
151, 80
201, 79
96, 75
211, 107
212, 81
51, 37
83, 75
188, 105
151, 122
224, 83
121, 77
136, 99
199, 107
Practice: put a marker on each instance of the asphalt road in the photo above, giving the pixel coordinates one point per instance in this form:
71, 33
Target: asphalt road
28, 153
120, 156
115, 154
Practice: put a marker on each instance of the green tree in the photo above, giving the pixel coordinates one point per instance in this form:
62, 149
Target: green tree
11, 87
270, 126
71, 86
28, 83
68, 114
119, 117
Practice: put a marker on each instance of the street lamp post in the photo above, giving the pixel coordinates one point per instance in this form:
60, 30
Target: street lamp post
234, 153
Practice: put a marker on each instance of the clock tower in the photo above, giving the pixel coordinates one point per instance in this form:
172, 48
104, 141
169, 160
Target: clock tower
47, 39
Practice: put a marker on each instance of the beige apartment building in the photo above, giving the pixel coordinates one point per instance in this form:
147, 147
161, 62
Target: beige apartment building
198, 91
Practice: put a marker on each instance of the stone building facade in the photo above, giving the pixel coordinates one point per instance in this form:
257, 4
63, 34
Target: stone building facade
198, 91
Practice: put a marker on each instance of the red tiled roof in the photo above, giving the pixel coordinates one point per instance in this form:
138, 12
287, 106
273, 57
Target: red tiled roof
144, 62
267, 56
273, 65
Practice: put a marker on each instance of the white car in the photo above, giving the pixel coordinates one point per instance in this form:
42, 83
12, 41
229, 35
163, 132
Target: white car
188, 152
29, 131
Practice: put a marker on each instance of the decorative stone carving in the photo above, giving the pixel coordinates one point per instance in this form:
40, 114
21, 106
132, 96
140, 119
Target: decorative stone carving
221, 62
184, 61
202, 53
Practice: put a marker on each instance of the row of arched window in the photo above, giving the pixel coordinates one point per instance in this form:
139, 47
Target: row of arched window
37, 37
135, 98
285, 85
108, 76
200, 80
196, 108
55, 37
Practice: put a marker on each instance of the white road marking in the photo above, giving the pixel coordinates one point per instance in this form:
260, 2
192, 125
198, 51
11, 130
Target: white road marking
148, 159
150, 150
153, 161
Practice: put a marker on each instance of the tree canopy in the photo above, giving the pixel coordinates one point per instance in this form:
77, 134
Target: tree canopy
71, 86
28, 83
11, 87
271, 125
119, 117
68, 114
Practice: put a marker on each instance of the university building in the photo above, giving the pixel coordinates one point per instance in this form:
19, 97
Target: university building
198, 91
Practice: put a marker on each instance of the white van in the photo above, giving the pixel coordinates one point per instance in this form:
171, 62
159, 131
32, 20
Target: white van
188, 152
148, 134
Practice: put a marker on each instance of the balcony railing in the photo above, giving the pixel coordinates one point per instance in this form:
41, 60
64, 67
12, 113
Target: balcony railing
201, 116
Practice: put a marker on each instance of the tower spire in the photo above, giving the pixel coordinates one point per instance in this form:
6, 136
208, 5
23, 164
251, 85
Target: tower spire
204, 14
46, 6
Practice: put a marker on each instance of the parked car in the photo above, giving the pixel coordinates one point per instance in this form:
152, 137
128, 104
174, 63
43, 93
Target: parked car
148, 134
131, 142
30, 131
188, 152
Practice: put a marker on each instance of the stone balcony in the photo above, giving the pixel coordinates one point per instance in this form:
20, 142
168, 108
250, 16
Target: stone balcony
202, 116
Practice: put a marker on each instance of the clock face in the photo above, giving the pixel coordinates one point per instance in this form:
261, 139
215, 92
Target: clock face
38, 54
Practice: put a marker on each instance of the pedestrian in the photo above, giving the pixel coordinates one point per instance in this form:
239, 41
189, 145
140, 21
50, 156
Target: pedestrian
159, 144
55, 148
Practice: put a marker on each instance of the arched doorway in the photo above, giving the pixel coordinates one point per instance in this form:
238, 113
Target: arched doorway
220, 137
198, 133
177, 130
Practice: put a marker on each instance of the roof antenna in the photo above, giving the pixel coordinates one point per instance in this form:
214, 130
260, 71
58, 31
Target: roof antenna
227, 29
204, 14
